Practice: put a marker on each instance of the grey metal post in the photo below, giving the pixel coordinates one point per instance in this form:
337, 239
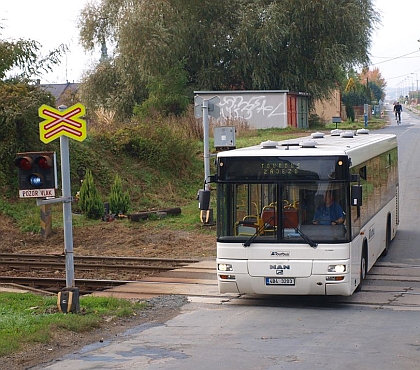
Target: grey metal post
67, 215
205, 107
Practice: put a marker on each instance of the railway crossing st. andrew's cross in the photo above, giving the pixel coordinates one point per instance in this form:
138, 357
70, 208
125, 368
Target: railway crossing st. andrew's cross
64, 123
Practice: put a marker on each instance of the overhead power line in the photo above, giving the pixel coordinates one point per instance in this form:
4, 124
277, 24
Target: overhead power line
399, 57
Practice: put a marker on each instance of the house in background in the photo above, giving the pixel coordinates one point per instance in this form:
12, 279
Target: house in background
328, 108
64, 94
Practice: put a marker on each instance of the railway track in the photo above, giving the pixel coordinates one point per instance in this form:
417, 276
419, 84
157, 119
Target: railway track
387, 285
54, 285
47, 272
42, 261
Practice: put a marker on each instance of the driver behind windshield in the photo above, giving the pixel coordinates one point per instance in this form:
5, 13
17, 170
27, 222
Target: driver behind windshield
328, 213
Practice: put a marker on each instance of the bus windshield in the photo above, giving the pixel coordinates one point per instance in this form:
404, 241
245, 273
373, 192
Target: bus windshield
283, 212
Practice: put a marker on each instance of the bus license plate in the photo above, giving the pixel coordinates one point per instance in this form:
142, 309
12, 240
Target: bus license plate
279, 281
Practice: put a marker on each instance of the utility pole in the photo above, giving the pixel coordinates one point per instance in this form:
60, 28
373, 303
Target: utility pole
204, 108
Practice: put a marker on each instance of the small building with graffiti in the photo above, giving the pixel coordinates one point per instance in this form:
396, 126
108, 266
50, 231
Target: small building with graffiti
262, 108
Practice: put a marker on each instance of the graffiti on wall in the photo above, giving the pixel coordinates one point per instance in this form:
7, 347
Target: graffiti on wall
235, 107
259, 109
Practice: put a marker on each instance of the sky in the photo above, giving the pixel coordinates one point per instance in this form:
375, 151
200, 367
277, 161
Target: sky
51, 23
395, 49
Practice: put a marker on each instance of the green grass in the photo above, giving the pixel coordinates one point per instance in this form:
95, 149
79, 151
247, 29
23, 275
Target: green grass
26, 215
373, 124
29, 318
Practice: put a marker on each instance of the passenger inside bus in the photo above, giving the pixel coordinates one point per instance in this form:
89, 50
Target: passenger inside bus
329, 213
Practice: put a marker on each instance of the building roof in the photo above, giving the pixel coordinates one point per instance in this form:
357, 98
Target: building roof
57, 90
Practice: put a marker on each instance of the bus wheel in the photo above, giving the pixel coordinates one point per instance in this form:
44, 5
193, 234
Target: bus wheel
363, 268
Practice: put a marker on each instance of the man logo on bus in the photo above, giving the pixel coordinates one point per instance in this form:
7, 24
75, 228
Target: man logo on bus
279, 267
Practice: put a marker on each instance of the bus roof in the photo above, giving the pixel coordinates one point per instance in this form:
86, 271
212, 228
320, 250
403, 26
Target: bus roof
359, 147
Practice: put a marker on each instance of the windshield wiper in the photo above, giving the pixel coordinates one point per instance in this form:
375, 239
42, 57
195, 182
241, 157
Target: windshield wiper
302, 235
267, 224
260, 229
306, 238
252, 238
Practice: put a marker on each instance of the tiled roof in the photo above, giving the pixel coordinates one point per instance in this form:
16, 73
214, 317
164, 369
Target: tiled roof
57, 90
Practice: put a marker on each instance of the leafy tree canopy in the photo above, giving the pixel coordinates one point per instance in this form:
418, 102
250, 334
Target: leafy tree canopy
375, 81
298, 45
24, 58
19, 103
367, 87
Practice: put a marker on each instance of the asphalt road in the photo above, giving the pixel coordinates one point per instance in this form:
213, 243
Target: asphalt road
378, 328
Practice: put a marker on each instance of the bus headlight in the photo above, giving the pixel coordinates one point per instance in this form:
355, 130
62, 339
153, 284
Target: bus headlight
337, 268
224, 267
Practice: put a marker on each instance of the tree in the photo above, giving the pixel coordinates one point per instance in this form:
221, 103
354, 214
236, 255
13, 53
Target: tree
109, 86
366, 87
19, 103
298, 45
376, 92
19, 132
375, 82
24, 55
89, 200
119, 201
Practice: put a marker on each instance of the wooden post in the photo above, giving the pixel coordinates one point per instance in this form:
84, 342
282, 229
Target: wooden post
46, 220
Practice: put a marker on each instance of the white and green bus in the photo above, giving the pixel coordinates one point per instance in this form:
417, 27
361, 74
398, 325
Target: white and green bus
269, 240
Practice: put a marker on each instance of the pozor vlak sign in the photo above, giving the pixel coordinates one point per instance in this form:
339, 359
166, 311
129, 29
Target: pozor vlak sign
37, 174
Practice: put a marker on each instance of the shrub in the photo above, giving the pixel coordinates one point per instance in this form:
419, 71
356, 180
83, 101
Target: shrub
315, 121
119, 201
350, 112
90, 201
19, 127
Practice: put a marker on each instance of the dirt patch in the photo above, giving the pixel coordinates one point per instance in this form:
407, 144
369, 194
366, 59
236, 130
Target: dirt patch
117, 238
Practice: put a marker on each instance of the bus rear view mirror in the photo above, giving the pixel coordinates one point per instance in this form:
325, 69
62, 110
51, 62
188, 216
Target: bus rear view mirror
203, 199
356, 195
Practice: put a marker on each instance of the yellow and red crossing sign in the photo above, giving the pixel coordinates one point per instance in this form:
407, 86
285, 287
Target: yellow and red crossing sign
58, 123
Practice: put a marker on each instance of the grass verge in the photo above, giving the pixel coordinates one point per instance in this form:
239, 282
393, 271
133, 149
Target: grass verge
29, 318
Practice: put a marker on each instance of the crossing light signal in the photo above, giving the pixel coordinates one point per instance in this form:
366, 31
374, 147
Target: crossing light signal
37, 174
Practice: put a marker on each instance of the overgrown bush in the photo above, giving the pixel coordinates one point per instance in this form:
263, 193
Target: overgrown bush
350, 112
155, 144
119, 201
90, 202
315, 121
19, 128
